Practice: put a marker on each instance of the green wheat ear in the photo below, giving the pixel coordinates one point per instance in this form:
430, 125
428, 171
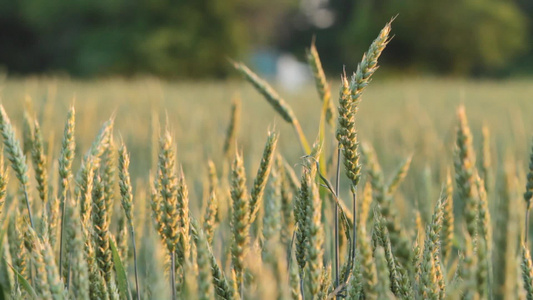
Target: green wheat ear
263, 172
16, 157
240, 221
527, 271
40, 162
465, 172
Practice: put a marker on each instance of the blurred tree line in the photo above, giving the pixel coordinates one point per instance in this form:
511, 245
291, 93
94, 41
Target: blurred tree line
194, 38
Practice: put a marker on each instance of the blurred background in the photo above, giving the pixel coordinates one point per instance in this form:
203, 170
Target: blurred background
193, 38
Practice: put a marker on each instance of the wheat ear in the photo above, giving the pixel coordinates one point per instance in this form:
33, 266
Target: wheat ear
240, 219
256, 195
16, 157
127, 204
465, 172
68, 147
527, 272
39, 162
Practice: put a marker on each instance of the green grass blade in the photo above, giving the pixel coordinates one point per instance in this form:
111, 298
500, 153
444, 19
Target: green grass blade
122, 278
23, 282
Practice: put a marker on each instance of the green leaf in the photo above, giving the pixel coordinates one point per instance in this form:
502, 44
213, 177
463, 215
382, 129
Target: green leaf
122, 278
23, 282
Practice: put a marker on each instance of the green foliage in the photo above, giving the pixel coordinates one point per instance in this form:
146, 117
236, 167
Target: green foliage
458, 36
194, 38
169, 38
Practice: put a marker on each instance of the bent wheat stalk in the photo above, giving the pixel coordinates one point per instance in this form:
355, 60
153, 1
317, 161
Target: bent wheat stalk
275, 100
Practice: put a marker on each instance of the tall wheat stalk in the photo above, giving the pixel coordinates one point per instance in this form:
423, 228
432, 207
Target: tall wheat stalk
127, 205
284, 110
350, 96
66, 157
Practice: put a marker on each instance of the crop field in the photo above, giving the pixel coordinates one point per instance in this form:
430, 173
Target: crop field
150, 189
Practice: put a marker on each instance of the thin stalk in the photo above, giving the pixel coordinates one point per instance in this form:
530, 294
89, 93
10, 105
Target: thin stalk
526, 226
302, 287
173, 275
135, 264
61, 233
354, 211
336, 216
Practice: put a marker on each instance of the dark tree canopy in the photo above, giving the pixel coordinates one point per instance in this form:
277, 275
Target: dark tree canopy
194, 38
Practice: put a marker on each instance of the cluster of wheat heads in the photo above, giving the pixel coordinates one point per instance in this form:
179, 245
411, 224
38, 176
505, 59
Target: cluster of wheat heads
73, 235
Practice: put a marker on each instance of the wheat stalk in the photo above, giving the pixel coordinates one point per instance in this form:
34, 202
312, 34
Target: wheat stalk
528, 194
16, 244
100, 220
429, 277
40, 163
127, 204
211, 208
108, 173
486, 161
272, 207
527, 272
204, 266
97, 287
233, 127
287, 203
315, 237
79, 264
447, 221
465, 172
16, 157
68, 147
27, 133
383, 290
400, 175
240, 219
168, 208
41, 279
275, 101
256, 195
184, 217
368, 266
4, 178
321, 83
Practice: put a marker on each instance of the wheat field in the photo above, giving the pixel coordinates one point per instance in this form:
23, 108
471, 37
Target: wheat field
148, 189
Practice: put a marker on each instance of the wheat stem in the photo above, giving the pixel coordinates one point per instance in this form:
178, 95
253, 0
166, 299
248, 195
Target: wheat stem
336, 216
173, 275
